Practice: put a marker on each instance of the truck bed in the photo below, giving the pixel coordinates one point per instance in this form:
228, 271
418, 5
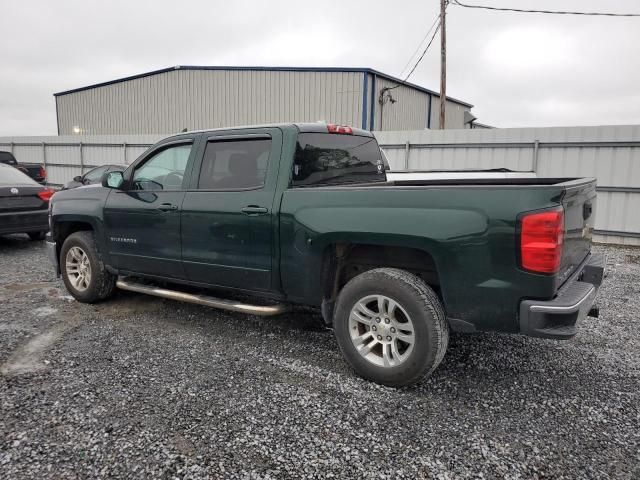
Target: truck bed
469, 226
551, 181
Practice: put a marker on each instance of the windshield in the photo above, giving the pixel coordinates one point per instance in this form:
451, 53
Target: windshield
12, 176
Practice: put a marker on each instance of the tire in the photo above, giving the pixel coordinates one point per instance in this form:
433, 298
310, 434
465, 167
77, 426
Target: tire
416, 326
37, 236
99, 284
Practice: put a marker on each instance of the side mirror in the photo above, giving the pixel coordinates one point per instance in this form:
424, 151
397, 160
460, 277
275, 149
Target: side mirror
77, 178
112, 179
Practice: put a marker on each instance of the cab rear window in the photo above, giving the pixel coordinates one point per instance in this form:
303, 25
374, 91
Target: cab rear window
329, 159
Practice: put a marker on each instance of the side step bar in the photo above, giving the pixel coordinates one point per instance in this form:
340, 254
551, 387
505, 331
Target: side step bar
265, 311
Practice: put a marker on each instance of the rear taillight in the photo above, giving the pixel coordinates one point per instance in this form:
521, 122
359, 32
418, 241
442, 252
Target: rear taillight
42, 173
45, 195
342, 129
541, 238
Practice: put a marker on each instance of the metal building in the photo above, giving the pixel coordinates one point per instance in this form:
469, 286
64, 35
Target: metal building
172, 99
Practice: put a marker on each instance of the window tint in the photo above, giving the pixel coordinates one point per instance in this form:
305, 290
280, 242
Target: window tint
8, 158
163, 171
234, 164
94, 176
324, 158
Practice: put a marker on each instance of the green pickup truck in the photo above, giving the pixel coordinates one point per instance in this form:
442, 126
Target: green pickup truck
259, 219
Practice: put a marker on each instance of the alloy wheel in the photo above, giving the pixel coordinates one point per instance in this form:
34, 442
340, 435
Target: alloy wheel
78, 268
381, 330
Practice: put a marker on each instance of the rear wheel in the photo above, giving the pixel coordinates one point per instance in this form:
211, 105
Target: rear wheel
83, 271
37, 236
391, 327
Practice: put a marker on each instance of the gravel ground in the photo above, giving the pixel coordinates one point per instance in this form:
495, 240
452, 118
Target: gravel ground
142, 387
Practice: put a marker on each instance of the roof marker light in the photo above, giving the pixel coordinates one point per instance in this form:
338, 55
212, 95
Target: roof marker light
341, 129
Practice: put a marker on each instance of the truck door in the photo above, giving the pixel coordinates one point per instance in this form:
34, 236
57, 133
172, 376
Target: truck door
142, 222
227, 222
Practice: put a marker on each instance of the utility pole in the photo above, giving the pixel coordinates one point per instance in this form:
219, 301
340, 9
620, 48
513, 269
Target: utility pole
443, 63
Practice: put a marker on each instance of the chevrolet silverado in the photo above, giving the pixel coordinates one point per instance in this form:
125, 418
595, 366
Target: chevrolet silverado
257, 219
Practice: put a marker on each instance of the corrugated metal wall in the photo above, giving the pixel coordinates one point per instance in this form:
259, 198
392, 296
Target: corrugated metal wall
193, 98
412, 109
64, 157
454, 114
199, 99
609, 153
409, 112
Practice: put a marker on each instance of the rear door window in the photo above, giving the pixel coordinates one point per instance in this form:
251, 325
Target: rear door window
329, 159
235, 164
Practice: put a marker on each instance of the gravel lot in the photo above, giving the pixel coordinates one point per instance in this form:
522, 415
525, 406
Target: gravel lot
142, 387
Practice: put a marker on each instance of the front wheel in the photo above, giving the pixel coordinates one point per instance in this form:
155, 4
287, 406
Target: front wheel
83, 272
391, 327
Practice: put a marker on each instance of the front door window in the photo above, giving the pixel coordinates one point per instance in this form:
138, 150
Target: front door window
163, 171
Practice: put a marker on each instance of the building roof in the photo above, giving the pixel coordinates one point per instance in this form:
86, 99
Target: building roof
274, 69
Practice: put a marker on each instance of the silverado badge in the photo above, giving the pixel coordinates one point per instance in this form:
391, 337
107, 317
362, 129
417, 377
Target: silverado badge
123, 240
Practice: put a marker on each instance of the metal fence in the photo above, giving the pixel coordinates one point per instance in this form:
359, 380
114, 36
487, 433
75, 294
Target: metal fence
609, 153
65, 157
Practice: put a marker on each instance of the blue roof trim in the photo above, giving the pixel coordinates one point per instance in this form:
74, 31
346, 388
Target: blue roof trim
373, 103
275, 69
57, 116
364, 100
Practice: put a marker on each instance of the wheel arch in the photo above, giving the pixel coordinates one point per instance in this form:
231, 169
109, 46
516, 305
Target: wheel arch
344, 260
65, 225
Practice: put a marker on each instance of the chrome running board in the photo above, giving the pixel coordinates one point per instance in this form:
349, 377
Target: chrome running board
265, 311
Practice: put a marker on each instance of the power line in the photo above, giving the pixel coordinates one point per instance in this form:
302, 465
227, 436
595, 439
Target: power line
385, 96
423, 52
552, 12
426, 35
403, 82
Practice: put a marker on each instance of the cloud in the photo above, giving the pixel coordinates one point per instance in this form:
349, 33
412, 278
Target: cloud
518, 70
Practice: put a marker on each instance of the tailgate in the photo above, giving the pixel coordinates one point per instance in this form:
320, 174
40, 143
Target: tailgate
579, 204
33, 170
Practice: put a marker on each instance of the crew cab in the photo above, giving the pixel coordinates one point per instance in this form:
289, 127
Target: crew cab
258, 219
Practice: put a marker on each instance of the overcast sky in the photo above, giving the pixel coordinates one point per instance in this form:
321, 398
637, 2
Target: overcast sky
517, 69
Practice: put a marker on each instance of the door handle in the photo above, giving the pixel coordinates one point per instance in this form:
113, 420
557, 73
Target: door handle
254, 210
167, 207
